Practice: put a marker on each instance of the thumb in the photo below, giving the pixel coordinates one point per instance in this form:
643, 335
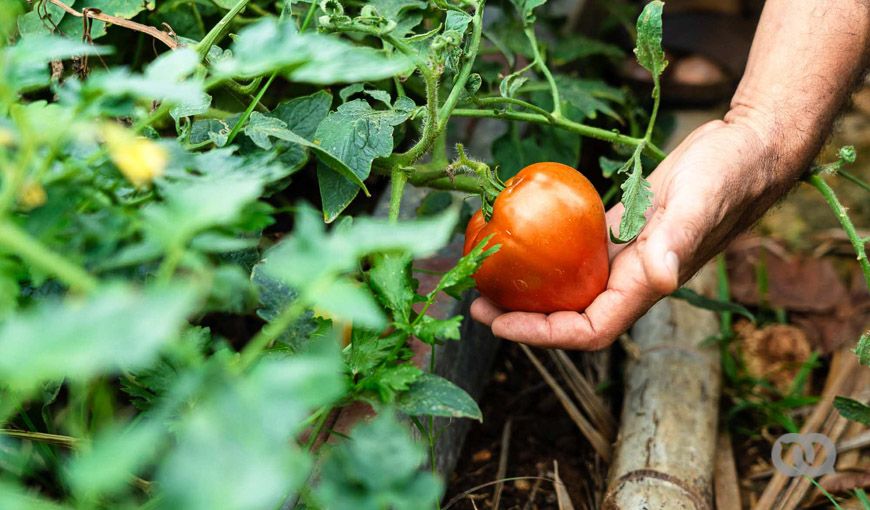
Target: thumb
669, 249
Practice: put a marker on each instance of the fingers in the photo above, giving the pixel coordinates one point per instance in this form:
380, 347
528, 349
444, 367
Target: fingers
483, 311
613, 312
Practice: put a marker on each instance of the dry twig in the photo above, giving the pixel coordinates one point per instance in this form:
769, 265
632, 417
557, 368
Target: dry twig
90, 13
502, 464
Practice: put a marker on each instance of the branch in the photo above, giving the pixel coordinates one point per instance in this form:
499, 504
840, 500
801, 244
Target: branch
160, 35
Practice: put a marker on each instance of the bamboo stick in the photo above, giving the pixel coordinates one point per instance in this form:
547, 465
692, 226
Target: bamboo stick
667, 437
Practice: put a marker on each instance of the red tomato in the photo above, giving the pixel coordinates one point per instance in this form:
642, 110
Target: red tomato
549, 221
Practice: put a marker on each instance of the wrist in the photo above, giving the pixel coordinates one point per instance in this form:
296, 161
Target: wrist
785, 147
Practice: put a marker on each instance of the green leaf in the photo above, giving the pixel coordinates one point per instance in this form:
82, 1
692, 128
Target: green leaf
458, 279
579, 47
303, 114
649, 50
388, 380
853, 410
298, 260
167, 78
70, 338
355, 134
378, 467
390, 278
191, 207
435, 331
351, 302
608, 166
695, 299
636, 198
548, 144
526, 9
242, 428
313, 58
274, 297
583, 99
116, 454
20, 498
863, 349
432, 395
26, 62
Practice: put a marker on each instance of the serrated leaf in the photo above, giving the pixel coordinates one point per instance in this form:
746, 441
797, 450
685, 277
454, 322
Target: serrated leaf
853, 410
58, 339
168, 78
458, 279
261, 127
355, 134
636, 199
377, 467
432, 395
649, 50
390, 278
389, 380
435, 331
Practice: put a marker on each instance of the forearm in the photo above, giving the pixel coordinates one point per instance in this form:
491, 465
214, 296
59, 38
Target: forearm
805, 58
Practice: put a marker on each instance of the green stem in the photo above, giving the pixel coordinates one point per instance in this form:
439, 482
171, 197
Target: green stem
840, 212
568, 125
32, 251
219, 30
854, 179
470, 56
517, 102
256, 100
657, 99
542, 67
398, 179
247, 113
724, 294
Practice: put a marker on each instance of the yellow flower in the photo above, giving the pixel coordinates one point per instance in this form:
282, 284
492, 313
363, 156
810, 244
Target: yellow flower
31, 195
7, 137
138, 158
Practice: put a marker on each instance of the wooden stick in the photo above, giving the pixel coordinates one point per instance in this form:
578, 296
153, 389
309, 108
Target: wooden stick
121, 22
667, 437
595, 438
725, 483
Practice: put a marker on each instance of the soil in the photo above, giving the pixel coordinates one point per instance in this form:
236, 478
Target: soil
541, 434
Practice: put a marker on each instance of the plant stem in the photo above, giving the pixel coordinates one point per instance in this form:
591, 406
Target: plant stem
854, 179
256, 100
41, 437
465, 72
568, 125
542, 67
219, 30
247, 113
32, 251
465, 183
657, 99
398, 179
517, 102
840, 212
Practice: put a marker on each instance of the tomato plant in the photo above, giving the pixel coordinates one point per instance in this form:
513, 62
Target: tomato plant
548, 222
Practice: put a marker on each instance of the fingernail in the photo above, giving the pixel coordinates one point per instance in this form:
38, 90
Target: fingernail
673, 265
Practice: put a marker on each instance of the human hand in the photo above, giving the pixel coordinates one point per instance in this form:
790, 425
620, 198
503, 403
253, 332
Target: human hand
715, 184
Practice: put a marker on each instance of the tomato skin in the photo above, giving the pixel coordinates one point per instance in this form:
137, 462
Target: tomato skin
550, 223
